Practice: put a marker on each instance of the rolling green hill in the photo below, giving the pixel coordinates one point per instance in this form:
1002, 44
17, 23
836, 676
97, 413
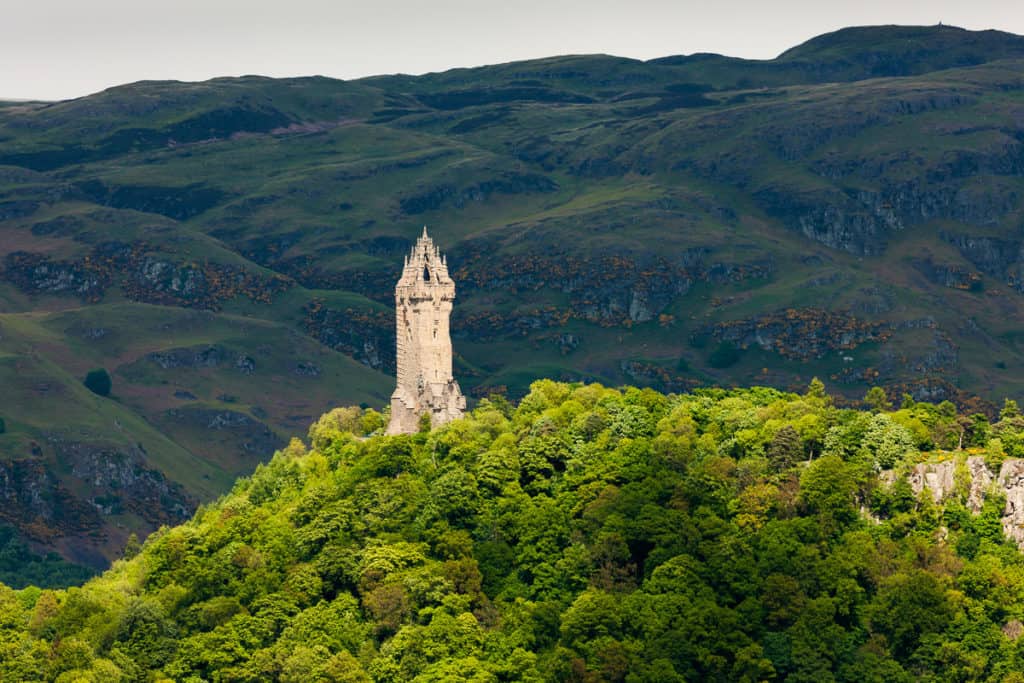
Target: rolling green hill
227, 250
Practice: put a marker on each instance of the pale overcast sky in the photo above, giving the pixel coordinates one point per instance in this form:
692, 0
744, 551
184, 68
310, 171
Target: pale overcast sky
54, 49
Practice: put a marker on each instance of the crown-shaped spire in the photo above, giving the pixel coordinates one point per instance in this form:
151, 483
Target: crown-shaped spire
425, 258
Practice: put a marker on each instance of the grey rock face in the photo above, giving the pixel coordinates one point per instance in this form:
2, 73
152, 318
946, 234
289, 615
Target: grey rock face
1000, 258
122, 474
981, 481
245, 364
1011, 479
941, 480
306, 368
196, 357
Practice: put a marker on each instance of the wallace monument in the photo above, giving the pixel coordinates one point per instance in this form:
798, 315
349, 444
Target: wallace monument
423, 302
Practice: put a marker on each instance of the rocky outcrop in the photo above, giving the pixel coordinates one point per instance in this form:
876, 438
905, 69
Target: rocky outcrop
37, 273
861, 221
142, 276
70, 494
646, 373
1011, 479
801, 333
205, 356
940, 479
950, 275
490, 325
118, 480
254, 438
971, 478
920, 200
1001, 258
831, 218
939, 356
35, 502
367, 336
306, 368
193, 357
937, 389
608, 290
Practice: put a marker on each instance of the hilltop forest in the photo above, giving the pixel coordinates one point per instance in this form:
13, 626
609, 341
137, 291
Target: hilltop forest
588, 534
221, 256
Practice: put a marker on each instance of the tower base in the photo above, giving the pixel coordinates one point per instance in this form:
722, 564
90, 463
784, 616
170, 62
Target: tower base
443, 401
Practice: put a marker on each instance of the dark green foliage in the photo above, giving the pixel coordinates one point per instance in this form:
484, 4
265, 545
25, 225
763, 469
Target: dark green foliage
132, 546
98, 382
588, 534
724, 355
908, 607
20, 567
3, 426
785, 449
1009, 409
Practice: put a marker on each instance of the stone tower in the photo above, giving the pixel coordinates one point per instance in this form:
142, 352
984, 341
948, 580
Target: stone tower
423, 302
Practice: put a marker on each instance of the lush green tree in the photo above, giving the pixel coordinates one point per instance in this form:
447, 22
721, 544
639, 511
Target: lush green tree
877, 400
816, 389
828, 488
886, 442
131, 546
785, 449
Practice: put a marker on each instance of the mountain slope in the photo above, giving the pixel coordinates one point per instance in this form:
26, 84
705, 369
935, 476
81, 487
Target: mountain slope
228, 249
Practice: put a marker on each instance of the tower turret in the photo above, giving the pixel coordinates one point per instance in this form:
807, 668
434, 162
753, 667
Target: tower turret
423, 304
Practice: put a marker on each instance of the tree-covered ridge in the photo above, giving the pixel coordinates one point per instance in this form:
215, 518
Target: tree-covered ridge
588, 534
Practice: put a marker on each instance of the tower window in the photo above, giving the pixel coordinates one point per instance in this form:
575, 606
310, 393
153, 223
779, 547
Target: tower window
426, 274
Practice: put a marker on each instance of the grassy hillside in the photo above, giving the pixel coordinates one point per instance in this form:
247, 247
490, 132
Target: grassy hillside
227, 250
588, 534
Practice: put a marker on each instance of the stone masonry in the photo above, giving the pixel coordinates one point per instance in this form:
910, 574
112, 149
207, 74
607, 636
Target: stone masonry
423, 304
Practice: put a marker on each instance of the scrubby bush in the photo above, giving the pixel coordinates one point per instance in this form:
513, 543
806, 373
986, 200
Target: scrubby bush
98, 382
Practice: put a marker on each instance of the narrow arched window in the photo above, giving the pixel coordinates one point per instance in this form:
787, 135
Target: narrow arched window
426, 274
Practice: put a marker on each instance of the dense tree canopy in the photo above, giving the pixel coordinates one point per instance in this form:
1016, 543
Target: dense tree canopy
589, 534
